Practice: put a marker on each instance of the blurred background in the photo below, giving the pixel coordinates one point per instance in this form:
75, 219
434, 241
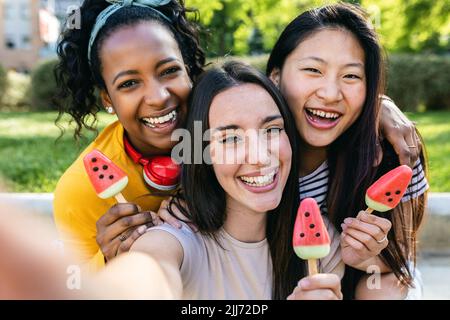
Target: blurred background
415, 35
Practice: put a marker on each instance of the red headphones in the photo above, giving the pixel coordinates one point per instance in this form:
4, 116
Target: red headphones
160, 172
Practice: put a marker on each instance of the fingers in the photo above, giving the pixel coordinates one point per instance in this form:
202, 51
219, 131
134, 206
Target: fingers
127, 222
130, 238
318, 287
412, 140
369, 244
116, 212
165, 215
384, 224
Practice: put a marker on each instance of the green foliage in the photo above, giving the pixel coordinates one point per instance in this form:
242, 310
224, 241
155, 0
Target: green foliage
412, 26
416, 81
43, 86
3, 83
17, 92
404, 26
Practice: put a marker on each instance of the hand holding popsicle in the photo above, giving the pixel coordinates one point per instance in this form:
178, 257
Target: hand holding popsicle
386, 193
106, 177
310, 240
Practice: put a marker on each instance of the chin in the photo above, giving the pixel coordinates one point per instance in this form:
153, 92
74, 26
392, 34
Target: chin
265, 205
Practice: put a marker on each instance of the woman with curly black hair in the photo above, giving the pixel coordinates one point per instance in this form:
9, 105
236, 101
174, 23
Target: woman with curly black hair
142, 56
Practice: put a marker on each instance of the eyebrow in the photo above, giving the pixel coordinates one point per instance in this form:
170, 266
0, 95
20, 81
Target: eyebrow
134, 72
353, 64
235, 127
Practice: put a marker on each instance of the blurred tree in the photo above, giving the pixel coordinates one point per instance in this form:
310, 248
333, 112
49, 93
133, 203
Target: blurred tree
240, 27
413, 25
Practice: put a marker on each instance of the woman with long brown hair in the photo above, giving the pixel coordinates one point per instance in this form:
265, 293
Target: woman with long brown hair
328, 65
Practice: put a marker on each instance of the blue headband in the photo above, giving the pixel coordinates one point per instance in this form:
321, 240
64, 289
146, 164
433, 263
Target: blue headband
117, 5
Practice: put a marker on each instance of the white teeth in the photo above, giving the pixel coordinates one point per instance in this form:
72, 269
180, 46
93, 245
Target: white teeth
168, 117
259, 181
323, 114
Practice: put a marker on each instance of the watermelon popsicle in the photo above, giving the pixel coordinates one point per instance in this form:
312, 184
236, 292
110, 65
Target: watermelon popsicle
385, 193
310, 240
106, 177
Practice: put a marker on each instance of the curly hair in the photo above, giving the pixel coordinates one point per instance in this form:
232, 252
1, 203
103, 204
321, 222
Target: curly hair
78, 80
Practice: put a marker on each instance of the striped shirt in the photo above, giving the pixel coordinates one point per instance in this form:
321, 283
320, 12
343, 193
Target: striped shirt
315, 185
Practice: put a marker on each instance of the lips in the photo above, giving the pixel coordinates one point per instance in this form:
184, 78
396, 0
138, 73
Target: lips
164, 123
260, 183
322, 119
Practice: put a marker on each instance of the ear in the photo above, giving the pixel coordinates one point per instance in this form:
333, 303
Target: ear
275, 76
106, 100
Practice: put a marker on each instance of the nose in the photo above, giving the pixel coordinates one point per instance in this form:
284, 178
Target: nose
258, 150
330, 90
156, 94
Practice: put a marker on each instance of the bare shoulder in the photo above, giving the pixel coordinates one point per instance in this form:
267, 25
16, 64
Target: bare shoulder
161, 245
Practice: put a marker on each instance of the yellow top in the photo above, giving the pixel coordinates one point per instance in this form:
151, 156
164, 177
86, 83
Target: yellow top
77, 207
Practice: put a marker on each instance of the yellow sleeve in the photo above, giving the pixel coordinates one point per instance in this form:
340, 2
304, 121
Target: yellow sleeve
76, 209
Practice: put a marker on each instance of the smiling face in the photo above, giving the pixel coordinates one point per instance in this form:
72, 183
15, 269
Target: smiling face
250, 150
324, 83
146, 84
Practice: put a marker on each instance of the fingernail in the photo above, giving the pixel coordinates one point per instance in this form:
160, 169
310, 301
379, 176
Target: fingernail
142, 229
348, 220
304, 283
343, 226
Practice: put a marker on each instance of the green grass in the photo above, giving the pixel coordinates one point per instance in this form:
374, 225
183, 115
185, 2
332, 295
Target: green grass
32, 161
435, 130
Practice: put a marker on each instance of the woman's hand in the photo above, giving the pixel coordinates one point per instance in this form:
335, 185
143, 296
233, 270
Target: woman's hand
165, 215
400, 132
362, 240
118, 228
322, 286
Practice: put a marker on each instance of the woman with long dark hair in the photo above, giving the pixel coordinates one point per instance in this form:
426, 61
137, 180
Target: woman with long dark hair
244, 204
328, 65
141, 57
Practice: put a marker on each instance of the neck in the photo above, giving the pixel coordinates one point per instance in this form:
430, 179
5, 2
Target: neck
244, 224
145, 149
311, 158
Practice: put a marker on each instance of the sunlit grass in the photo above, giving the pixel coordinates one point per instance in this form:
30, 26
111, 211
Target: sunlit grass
31, 160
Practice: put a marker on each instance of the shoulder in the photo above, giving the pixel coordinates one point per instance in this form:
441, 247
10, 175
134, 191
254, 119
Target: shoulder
160, 244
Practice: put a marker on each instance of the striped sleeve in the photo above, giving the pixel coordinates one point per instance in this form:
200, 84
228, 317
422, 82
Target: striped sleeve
418, 184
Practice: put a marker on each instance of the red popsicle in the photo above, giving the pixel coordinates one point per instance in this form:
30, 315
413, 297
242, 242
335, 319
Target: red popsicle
385, 193
106, 177
310, 240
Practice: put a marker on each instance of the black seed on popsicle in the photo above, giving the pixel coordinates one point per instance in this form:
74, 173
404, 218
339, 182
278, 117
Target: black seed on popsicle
105, 167
317, 234
94, 159
302, 235
390, 199
388, 194
312, 225
307, 214
397, 192
95, 169
101, 176
111, 177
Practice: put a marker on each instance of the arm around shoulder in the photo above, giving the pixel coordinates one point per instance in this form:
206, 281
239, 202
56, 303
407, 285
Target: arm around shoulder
167, 251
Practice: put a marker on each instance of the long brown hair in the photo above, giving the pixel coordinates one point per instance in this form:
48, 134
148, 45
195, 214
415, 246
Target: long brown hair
351, 157
204, 196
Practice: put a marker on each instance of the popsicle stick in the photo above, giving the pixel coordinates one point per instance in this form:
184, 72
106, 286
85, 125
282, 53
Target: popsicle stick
369, 210
312, 267
120, 199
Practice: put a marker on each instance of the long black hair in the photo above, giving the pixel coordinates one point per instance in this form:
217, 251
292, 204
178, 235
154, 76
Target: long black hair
204, 196
78, 80
351, 157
